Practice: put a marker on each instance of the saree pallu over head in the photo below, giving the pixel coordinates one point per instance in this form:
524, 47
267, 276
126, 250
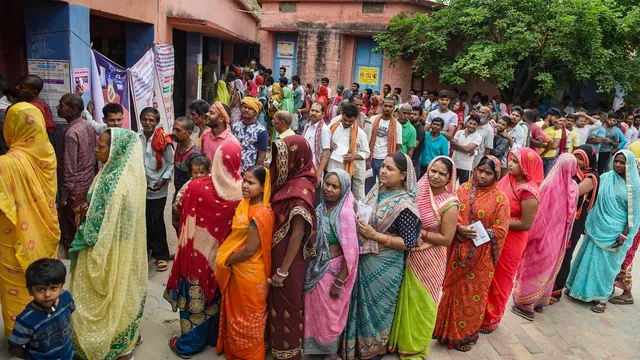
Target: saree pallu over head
327, 316
28, 186
208, 208
222, 94
244, 286
470, 269
29, 227
421, 288
109, 255
548, 237
387, 210
287, 101
594, 269
294, 180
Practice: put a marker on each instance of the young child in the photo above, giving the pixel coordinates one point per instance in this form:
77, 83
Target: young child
199, 167
43, 329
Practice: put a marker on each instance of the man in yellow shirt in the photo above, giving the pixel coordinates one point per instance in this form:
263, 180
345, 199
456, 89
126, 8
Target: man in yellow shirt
553, 125
572, 134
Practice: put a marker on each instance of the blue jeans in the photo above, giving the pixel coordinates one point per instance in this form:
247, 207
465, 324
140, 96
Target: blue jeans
548, 165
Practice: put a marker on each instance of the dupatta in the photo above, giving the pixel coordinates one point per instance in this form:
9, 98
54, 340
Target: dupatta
387, 210
28, 185
222, 94
287, 101
344, 223
323, 96
294, 181
590, 160
532, 169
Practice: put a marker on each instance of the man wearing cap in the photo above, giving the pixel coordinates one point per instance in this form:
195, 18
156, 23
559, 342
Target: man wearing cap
252, 136
218, 130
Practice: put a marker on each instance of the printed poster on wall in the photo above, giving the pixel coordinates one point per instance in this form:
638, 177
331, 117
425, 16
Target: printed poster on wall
56, 78
110, 85
368, 75
165, 66
287, 64
81, 80
285, 49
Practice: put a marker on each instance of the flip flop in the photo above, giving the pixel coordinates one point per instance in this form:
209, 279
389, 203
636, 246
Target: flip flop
162, 265
620, 301
172, 346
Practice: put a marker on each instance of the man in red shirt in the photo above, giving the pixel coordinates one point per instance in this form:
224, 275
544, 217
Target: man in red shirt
29, 89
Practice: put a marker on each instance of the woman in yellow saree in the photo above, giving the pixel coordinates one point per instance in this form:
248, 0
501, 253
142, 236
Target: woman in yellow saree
109, 269
28, 217
243, 267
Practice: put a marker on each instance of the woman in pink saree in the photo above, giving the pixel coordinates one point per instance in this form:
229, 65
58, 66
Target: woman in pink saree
332, 272
548, 239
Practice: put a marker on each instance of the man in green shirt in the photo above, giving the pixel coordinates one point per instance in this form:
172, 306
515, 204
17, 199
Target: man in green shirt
297, 102
408, 130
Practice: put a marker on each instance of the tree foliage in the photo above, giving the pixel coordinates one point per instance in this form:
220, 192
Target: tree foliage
520, 45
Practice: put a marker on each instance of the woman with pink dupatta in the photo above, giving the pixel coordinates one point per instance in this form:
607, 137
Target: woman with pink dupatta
331, 273
521, 187
548, 239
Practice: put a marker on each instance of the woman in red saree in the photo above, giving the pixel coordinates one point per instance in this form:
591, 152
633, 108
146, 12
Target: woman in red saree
294, 181
521, 188
242, 269
323, 97
470, 268
548, 239
208, 206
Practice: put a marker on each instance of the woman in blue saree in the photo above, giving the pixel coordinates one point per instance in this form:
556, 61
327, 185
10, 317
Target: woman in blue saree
611, 225
393, 228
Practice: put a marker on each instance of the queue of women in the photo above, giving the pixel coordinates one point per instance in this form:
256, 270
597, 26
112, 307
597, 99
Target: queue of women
260, 262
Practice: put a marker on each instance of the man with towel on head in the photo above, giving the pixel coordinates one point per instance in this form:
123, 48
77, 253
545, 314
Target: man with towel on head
218, 130
252, 136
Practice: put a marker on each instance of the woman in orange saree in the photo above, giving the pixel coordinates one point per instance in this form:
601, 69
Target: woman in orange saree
242, 269
470, 268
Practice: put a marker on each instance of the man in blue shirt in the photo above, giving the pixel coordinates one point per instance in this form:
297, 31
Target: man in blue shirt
435, 144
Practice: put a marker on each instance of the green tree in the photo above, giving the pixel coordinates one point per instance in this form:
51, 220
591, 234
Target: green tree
523, 45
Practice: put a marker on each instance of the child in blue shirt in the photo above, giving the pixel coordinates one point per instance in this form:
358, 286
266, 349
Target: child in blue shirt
43, 330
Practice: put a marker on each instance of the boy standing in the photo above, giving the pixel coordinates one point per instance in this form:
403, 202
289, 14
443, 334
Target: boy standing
450, 118
43, 329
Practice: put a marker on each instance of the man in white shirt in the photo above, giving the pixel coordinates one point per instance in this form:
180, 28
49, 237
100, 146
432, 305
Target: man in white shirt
485, 130
585, 124
354, 161
450, 118
379, 146
318, 136
465, 146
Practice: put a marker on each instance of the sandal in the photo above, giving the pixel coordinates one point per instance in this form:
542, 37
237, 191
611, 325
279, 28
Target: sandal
599, 308
162, 265
621, 301
464, 348
485, 331
172, 346
516, 310
553, 300
140, 340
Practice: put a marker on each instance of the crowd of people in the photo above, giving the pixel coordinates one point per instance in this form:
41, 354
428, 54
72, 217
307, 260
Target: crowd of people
311, 220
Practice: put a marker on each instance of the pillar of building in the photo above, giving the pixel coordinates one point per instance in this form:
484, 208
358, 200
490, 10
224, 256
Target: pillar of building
194, 67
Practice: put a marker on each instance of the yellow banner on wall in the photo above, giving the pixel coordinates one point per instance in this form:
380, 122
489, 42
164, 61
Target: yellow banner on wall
368, 75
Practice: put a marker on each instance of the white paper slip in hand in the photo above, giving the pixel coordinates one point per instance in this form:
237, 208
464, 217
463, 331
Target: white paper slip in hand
364, 212
483, 236
339, 152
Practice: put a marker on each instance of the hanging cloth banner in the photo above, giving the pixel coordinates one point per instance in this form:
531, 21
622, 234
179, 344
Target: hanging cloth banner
109, 84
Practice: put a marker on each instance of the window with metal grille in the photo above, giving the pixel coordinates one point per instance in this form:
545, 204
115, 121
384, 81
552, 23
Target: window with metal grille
372, 8
288, 7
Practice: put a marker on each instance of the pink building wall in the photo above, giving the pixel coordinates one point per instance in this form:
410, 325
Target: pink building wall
327, 32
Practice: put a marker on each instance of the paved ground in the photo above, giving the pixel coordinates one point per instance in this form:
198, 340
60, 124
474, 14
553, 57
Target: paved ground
567, 330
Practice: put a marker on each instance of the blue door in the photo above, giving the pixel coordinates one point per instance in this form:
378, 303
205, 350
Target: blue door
368, 70
285, 55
